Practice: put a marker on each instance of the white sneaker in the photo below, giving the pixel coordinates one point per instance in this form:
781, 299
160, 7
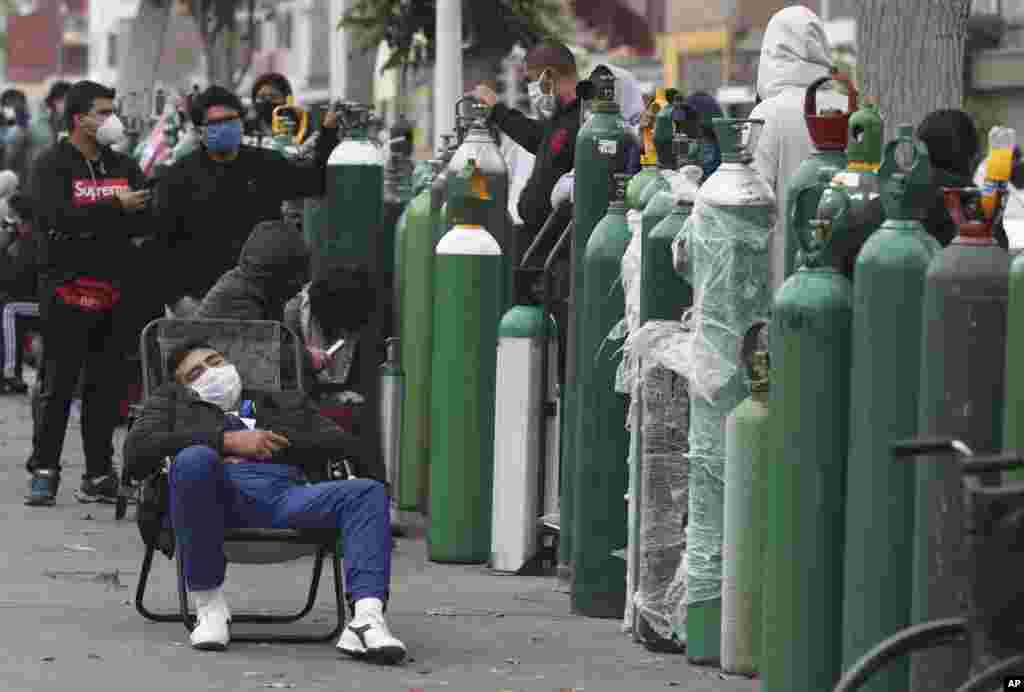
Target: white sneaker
368, 637
212, 631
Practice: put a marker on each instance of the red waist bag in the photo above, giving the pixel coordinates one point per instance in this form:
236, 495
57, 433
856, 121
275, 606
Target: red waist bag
90, 294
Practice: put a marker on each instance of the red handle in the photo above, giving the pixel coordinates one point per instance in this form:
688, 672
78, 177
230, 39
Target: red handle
811, 96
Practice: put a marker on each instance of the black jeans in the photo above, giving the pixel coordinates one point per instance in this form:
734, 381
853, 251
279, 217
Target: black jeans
74, 339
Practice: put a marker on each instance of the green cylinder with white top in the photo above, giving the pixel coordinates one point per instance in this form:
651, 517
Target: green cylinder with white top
467, 304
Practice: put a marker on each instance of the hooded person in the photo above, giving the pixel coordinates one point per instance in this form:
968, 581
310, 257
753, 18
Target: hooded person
272, 267
795, 52
707, 109
952, 141
332, 309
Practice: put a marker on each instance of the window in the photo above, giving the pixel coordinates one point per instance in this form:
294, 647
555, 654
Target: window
284, 30
111, 50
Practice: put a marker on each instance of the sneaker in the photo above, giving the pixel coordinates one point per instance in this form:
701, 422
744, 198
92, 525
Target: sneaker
369, 638
42, 488
98, 489
213, 619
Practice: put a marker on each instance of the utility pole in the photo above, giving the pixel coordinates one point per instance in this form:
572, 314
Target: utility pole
351, 67
448, 66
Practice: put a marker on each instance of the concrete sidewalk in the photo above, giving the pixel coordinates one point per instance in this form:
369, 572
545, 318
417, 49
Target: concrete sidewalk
69, 623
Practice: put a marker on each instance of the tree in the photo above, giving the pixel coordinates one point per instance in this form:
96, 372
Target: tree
911, 56
490, 28
217, 21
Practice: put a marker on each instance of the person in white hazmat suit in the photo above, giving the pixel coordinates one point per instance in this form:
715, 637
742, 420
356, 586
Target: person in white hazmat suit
794, 54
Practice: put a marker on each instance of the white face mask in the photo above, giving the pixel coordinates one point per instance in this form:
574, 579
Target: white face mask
220, 386
9, 113
543, 103
111, 132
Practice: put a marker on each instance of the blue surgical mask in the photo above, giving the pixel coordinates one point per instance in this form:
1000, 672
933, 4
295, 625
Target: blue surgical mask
224, 137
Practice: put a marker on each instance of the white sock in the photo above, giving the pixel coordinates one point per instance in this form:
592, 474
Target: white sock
369, 607
209, 597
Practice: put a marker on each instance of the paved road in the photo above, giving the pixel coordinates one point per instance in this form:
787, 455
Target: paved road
69, 575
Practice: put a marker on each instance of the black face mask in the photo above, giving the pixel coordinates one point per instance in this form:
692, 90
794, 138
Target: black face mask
265, 110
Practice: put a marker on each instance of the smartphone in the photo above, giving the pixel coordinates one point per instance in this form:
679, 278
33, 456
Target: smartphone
334, 348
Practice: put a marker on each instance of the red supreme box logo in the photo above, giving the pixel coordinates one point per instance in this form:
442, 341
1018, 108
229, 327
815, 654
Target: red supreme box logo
86, 191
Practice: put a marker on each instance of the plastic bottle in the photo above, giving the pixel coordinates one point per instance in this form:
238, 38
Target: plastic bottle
1002, 141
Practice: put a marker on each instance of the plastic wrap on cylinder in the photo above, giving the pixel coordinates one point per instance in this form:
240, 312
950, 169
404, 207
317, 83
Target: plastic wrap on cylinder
625, 377
665, 497
725, 253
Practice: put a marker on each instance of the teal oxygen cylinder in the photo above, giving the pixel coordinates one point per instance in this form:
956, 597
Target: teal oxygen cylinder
466, 313
600, 152
599, 576
888, 299
810, 357
725, 259
748, 451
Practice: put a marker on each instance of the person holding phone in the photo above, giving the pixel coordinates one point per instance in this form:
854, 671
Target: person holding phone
91, 202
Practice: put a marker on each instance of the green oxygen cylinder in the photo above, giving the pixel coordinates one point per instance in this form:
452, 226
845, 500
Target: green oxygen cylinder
748, 450
725, 258
963, 351
810, 355
600, 152
865, 213
419, 236
649, 161
888, 295
1013, 420
392, 381
664, 295
829, 132
599, 577
355, 202
466, 313
397, 194
479, 145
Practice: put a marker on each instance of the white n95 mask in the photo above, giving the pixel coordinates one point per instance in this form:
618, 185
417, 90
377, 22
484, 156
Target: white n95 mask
220, 386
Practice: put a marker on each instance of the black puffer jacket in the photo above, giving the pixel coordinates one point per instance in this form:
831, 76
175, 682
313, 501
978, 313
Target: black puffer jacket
174, 417
272, 267
207, 209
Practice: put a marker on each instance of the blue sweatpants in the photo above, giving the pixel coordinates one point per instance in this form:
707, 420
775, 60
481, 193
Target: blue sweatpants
208, 496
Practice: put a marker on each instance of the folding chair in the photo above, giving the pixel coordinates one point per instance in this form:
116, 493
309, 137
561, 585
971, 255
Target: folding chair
258, 350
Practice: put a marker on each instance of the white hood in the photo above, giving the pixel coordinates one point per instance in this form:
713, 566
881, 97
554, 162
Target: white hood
8, 183
628, 93
795, 52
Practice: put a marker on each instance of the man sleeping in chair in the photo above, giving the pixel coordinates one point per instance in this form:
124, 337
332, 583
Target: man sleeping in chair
231, 471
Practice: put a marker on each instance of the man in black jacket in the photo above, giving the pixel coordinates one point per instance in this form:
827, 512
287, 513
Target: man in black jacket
210, 201
551, 69
231, 471
90, 203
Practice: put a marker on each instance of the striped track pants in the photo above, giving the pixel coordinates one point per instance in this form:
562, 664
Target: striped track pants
11, 312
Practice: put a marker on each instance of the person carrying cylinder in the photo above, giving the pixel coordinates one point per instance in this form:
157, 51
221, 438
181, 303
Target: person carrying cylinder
794, 54
210, 201
551, 69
